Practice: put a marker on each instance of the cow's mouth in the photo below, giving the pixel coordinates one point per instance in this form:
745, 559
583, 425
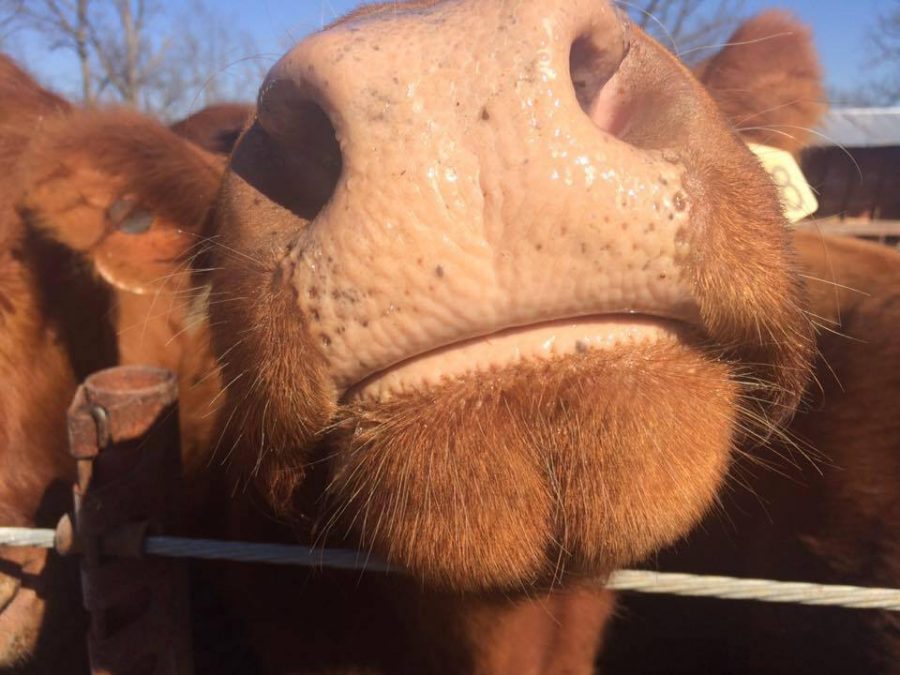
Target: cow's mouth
513, 346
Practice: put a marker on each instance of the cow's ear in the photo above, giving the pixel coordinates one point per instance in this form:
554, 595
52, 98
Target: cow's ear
129, 194
768, 81
22, 100
217, 127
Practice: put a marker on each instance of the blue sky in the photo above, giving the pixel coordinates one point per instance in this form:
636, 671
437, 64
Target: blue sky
840, 28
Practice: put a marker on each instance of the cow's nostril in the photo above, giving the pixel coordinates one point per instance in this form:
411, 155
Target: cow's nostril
300, 147
593, 65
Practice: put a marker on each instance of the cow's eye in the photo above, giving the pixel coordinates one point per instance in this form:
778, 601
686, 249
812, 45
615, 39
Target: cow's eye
128, 217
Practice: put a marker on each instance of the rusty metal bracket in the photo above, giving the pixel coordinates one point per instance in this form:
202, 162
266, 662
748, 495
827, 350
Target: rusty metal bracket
123, 432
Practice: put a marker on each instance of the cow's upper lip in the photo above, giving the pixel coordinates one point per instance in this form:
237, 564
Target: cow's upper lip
512, 344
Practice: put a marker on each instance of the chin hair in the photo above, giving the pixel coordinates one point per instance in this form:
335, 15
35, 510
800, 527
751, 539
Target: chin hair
521, 476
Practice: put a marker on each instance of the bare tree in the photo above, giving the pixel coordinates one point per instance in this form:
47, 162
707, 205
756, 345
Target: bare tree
687, 27
218, 64
886, 41
882, 85
10, 10
65, 24
125, 53
131, 51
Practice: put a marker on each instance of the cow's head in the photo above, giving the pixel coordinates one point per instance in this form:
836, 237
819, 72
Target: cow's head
131, 201
506, 269
216, 127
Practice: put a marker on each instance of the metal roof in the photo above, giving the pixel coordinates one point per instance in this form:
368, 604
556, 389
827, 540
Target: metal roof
860, 127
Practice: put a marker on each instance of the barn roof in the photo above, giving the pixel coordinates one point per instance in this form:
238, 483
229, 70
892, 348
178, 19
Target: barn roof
861, 127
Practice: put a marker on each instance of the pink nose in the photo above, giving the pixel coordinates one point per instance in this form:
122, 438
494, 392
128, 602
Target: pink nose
413, 76
469, 167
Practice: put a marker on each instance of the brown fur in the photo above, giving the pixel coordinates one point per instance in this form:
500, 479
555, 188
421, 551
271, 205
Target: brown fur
825, 508
277, 413
417, 501
21, 99
38, 378
770, 83
215, 128
819, 505
576, 480
516, 489
77, 295
80, 165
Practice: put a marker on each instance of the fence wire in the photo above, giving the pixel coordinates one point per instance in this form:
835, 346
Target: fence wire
640, 581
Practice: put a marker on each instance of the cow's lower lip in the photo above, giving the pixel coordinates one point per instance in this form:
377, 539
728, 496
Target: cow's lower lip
511, 346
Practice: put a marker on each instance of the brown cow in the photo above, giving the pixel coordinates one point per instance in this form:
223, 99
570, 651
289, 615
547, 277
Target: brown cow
820, 505
215, 128
577, 481
597, 302
823, 508
100, 211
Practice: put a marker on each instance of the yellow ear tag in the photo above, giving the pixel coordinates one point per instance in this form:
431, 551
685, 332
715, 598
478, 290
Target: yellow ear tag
797, 197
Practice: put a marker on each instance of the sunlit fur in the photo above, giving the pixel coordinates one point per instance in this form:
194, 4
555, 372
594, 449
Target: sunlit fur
575, 493
216, 127
21, 100
77, 295
769, 83
77, 167
38, 380
830, 521
487, 482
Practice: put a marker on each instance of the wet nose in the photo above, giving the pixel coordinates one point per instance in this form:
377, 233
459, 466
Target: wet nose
499, 147
426, 80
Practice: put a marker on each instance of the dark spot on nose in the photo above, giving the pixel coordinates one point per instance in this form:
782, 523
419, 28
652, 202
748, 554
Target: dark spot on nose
439, 271
485, 115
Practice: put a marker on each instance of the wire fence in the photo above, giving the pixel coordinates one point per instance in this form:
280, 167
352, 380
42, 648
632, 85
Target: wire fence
640, 581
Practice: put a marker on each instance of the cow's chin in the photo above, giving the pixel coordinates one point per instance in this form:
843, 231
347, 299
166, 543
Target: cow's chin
543, 470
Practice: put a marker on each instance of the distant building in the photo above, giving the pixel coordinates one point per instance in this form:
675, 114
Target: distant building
855, 171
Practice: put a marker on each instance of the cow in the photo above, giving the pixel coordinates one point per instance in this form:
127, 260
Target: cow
216, 127
597, 305
821, 505
100, 214
604, 300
